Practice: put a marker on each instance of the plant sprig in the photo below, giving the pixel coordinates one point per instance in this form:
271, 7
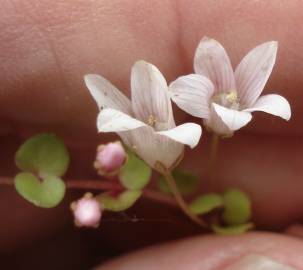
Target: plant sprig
44, 159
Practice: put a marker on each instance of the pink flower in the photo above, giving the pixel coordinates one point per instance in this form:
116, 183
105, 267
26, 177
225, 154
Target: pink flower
87, 211
110, 158
223, 98
146, 123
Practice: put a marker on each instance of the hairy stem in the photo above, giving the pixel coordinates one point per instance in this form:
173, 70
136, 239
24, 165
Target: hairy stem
104, 185
183, 205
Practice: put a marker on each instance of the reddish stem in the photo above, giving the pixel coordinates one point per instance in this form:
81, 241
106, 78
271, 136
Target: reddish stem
105, 185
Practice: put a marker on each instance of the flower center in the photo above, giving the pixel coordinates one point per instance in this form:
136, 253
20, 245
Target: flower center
227, 99
151, 121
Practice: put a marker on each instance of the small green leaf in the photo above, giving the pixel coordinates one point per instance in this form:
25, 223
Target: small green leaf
44, 155
185, 181
233, 230
237, 207
47, 193
124, 201
206, 203
135, 174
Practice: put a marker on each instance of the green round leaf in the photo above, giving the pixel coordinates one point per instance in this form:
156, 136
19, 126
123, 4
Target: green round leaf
120, 203
186, 182
206, 203
44, 155
233, 230
47, 193
135, 174
237, 207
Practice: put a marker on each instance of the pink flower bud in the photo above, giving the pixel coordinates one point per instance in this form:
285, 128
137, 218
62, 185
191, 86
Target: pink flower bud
87, 211
110, 158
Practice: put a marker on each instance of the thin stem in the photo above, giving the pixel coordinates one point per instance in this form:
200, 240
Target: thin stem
213, 154
183, 205
92, 184
6, 181
159, 197
104, 185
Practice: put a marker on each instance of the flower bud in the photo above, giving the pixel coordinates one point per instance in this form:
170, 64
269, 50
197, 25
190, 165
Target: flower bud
87, 211
110, 158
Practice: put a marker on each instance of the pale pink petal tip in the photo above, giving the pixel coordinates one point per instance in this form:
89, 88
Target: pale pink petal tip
106, 94
87, 211
188, 134
272, 104
110, 158
212, 61
233, 119
111, 120
253, 72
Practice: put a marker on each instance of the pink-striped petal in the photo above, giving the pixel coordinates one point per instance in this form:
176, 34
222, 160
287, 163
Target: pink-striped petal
154, 148
150, 98
253, 72
192, 93
272, 104
107, 95
212, 61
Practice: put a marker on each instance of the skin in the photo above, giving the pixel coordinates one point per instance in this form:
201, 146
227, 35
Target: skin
210, 252
46, 48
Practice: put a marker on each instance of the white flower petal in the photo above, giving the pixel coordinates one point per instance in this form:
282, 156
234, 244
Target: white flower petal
192, 93
110, 120
150, 98
272, 104
212, 61
153, 148
126, 137
233, 119
188, 133
107, 95
215, 124
253, 72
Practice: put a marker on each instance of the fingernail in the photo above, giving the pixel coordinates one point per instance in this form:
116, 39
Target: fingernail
257, 262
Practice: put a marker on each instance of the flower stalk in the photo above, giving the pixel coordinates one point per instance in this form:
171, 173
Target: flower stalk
147, 193
105, 186
214, 146
183, 205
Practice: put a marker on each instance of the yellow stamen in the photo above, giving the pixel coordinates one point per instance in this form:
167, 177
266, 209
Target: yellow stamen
151, 120
232, 96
